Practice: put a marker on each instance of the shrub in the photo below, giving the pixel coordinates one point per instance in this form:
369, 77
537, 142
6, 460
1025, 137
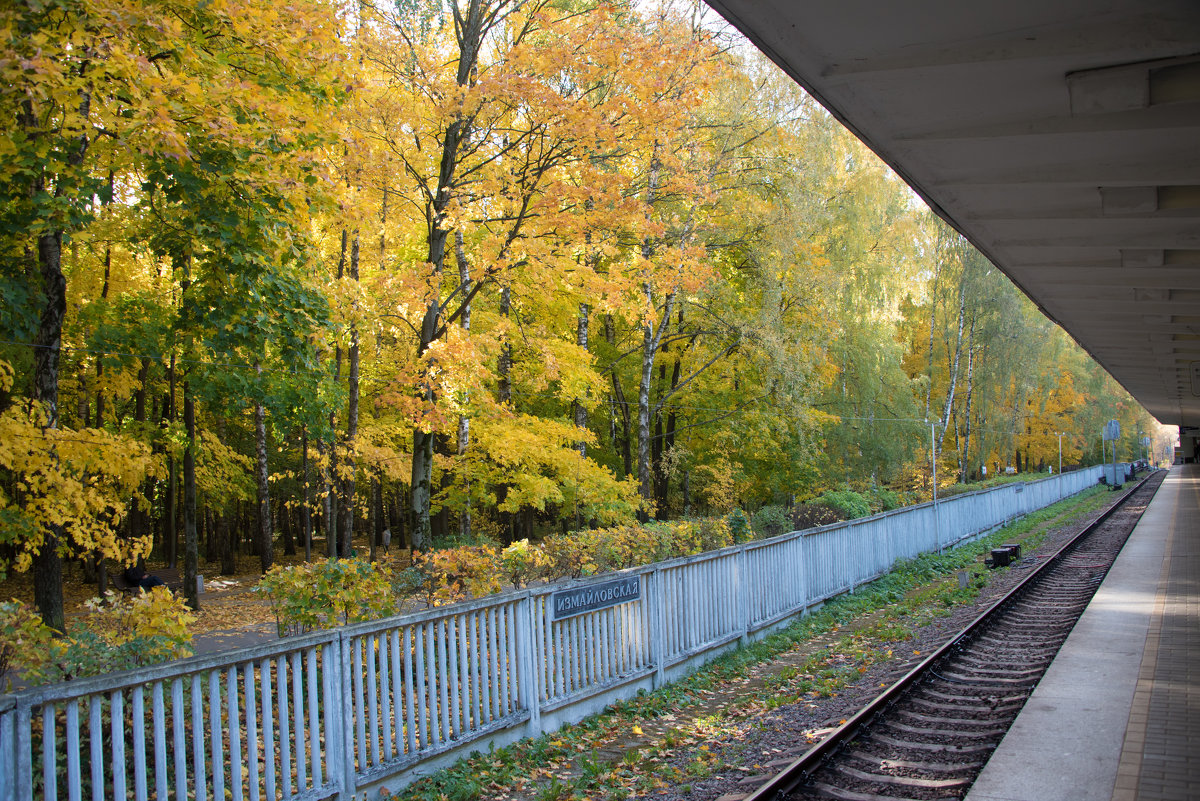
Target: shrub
620, 547
522, 562
318, 595
454, 574
24, 640
712, 533
571, 555
884, 499
119, 633
739, 526
848, 504
813, 514
771, 521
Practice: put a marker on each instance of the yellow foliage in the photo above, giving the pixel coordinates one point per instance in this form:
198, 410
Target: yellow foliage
77, 481
157, 616
522, 562
119, 633
454, 574
722, 489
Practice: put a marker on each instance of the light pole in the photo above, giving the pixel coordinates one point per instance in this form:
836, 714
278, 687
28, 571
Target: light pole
937, 523
1060, 436
933, 459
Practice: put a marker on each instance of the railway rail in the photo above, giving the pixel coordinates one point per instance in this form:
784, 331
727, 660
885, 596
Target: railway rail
930, 734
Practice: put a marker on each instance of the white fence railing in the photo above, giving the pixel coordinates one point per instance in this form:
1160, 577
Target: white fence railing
336, 712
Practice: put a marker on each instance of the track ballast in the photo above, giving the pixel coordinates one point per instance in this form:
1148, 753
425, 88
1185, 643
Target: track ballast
930, 734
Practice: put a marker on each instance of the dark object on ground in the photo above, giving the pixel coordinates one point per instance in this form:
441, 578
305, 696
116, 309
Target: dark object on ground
136, 578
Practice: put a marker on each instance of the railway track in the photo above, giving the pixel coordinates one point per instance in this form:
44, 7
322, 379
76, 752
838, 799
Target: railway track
929, 735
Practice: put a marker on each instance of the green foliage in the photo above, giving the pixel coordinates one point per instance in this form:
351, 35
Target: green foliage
848, 504
319, 595
739, 526
771, 521
119, 633
522, 562
884, 499
24, 640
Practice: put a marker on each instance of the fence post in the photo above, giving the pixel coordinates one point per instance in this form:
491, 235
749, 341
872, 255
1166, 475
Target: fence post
529, 670
742, 587
335, 686
23, 752
8, 754
655, 608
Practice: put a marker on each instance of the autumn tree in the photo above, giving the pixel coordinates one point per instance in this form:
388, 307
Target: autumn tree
99, 90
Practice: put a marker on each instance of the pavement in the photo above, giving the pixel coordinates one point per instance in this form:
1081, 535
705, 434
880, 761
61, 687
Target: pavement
1117, 715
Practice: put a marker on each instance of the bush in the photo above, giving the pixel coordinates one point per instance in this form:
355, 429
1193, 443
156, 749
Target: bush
24, 640
119, 633
318, 595
739, 526
771, 521
570, 555
884, 500
620, 547
689, 537
455, 574
848, 504
522, 562
813, 514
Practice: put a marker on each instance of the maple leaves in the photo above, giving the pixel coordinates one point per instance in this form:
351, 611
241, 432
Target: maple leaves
77, 481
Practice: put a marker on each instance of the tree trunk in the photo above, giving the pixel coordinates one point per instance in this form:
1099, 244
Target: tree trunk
191, 541
172, 516
422, 480
464, 422
504, 367
581, 339
305, 510
470, 29
965, 463
372, 523
266, 552
651, 339
346, 501
619, 407
665, 439
288, 526
139, 514
47, 562
949, 405
328, 502
224, 537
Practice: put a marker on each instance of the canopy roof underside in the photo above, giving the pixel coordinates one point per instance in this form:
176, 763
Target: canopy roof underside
1062, 137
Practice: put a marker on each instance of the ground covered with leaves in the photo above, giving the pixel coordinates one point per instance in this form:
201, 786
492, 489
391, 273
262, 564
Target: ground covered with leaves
722, 729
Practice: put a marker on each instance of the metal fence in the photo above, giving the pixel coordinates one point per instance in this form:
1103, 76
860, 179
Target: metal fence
335, 712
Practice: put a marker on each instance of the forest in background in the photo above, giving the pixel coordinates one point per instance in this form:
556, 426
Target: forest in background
478, 269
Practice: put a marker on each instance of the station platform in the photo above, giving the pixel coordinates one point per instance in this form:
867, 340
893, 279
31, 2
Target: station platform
1117, 715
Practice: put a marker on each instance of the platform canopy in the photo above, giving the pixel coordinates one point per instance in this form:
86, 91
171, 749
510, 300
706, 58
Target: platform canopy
1062, 137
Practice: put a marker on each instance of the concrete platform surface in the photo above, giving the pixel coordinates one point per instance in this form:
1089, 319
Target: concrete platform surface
1117, 715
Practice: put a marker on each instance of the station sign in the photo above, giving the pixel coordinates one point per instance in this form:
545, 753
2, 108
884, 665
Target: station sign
568, 603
